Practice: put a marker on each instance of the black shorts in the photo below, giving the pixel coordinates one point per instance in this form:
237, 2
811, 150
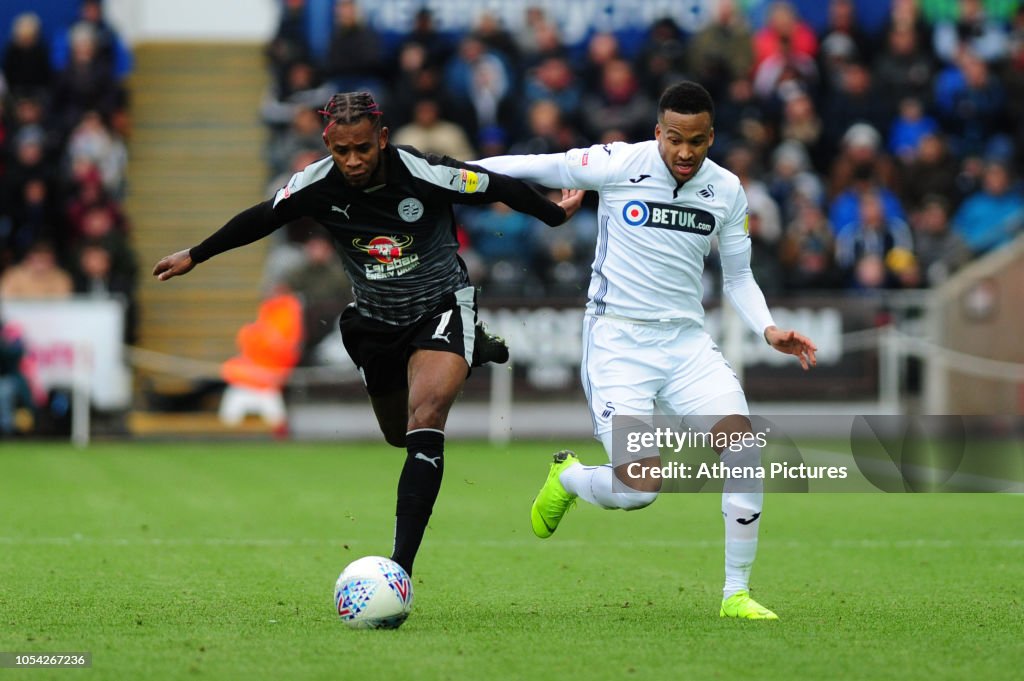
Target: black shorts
381, 350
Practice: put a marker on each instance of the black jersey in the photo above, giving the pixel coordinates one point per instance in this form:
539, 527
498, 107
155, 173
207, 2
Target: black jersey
397, 239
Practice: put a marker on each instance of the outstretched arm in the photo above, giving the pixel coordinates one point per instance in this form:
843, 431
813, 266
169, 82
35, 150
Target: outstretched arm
544, 169
583, 168
248, 226
458, 182
522, 197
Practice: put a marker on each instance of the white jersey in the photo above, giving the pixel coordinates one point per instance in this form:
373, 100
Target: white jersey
653, 234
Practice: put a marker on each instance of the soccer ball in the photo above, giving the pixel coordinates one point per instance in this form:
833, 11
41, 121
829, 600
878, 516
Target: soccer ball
373, 593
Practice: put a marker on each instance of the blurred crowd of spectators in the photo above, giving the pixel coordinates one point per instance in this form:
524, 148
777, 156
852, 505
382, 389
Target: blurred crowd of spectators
870, 160
63, 122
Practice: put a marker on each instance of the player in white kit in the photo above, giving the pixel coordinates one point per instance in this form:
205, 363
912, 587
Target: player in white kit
645, 350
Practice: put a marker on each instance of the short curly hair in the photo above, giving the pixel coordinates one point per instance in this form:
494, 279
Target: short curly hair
686, 97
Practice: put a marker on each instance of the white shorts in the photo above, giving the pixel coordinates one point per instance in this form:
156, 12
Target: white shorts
643, 369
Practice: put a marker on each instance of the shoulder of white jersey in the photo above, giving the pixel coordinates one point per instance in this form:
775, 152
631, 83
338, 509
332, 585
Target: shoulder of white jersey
630, 153
611, 150
312, 173
610, 157
725, 177
728, 186
436, 170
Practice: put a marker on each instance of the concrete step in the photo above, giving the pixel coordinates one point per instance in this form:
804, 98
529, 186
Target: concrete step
197, 328
192, 347
195, 425
196, 160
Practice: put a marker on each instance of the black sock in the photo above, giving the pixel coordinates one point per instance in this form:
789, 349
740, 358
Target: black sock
417, 490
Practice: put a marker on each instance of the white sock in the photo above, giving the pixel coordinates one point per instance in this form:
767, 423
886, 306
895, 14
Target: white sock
740, 539
742, 501
594, 484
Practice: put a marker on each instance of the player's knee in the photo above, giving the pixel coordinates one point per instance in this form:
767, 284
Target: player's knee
428, 414
632, 501
731, 428
394, 437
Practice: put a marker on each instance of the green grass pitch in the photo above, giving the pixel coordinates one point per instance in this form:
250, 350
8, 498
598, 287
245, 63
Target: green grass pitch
218, 561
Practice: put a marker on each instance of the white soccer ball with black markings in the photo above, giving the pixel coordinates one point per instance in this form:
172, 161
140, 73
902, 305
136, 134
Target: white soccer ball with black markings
373, 593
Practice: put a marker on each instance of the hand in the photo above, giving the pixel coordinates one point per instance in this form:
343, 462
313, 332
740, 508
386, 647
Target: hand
173, 265
571, 201
792, 343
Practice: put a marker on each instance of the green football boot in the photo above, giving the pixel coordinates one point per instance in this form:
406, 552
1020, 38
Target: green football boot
741, 606
552, 501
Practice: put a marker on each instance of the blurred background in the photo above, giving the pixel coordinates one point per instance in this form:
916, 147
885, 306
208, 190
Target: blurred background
880, 145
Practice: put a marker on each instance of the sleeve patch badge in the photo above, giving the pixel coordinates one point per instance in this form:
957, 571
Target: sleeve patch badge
576, 157
469, 183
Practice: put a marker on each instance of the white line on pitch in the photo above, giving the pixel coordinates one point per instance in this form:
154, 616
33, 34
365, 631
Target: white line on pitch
76, 540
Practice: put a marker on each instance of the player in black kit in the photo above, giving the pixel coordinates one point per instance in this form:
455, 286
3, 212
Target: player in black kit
411, 330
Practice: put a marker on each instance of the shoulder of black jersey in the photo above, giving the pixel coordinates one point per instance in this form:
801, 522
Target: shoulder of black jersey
442, 172
316, 171
404, 152
395, 149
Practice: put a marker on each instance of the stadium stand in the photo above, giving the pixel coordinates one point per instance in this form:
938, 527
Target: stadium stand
874, 141
897, 111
